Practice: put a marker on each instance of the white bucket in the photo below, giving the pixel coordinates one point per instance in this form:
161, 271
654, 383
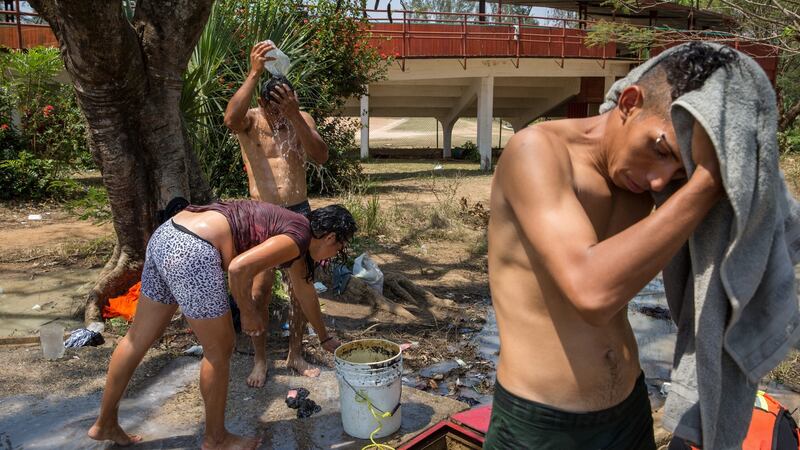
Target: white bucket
369, 372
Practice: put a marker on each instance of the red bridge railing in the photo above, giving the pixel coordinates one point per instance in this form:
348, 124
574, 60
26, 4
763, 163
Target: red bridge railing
15, 34
426, 34
417, 35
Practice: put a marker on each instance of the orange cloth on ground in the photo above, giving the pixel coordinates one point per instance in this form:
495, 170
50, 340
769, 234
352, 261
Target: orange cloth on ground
125, 305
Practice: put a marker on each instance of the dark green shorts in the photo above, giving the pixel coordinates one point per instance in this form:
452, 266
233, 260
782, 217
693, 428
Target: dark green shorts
519, 424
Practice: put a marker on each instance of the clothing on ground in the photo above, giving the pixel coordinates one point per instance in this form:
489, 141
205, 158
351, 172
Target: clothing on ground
731, 288
518, 423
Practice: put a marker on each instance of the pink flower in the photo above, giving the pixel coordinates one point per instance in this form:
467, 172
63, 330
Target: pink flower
4, 127
47, 110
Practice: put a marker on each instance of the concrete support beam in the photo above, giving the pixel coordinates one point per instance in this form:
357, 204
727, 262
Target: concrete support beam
485, 110
365, 125
466, 99
447, 141
558, 97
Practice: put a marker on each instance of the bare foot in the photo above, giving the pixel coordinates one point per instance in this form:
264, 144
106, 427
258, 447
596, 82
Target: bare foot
231, 442
259, 374
114, 433
302, 366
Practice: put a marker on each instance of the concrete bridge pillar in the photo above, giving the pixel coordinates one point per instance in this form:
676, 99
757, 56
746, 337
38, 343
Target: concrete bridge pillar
485, 107
447, 137
365, 125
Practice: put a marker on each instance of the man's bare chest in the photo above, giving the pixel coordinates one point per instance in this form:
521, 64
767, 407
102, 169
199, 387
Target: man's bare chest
609, 209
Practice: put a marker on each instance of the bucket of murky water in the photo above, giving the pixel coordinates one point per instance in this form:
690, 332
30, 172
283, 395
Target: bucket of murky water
369, 373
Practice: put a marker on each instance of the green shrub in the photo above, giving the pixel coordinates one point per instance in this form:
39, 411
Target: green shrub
789, 141
469, 152
51, 125
93, 205
342, 170
28, 178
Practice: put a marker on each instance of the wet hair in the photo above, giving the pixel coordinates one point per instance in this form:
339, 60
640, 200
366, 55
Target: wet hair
684, 70
334, 219
269, 86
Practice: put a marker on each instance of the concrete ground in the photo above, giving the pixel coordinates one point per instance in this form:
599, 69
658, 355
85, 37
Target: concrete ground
168, 412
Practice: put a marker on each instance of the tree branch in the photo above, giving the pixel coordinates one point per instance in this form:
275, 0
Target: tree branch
98, 45
169, 34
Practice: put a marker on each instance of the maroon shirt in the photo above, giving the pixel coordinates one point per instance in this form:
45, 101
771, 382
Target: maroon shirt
253, 222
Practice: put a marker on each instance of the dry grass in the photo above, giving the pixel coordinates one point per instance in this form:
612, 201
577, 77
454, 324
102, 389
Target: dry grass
790, 164
788, 371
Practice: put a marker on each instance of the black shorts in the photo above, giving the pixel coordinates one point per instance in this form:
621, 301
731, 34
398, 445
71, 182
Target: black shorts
518, 423
303, 208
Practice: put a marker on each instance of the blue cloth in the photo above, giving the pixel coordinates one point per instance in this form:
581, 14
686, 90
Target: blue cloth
83, 337
341, 276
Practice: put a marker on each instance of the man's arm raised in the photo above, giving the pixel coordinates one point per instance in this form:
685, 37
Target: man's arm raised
236, 118
308, 137
598, 277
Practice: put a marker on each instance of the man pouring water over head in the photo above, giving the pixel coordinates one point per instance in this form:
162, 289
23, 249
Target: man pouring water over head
276, 138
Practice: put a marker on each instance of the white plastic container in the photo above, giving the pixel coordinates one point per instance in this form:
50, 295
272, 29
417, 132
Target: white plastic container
52, 339
280, 65
369, 373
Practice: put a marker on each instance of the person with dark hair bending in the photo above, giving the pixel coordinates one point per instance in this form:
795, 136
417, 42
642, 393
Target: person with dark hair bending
572, 238
276, 138
185, 266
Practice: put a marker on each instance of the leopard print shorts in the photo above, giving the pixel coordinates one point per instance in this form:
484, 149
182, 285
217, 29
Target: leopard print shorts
184, 269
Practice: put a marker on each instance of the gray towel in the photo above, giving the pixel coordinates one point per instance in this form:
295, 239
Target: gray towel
731, 288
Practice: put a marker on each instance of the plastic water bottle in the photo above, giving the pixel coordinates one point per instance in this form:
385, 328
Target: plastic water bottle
280, 65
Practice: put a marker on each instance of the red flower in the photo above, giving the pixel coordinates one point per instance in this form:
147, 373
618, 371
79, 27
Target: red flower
383, 55
396, 54
4, 127
47, 110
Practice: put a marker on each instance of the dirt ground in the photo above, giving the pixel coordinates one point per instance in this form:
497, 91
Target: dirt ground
47, 262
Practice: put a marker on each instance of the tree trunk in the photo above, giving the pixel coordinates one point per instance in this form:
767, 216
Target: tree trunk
128, 78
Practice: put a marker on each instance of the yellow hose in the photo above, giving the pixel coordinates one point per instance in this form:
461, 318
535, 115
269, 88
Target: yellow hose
361, 398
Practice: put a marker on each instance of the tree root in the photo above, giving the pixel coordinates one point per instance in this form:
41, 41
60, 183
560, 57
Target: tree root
406, 288
118, 275
400, 288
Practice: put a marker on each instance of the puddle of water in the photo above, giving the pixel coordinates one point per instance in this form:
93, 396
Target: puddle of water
61, 422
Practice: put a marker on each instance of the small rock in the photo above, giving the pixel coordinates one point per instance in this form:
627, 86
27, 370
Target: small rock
37, 307
441, 368
195, 350
34, 217
665, 388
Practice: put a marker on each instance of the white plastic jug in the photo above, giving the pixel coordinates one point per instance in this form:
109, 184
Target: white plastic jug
280, 65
